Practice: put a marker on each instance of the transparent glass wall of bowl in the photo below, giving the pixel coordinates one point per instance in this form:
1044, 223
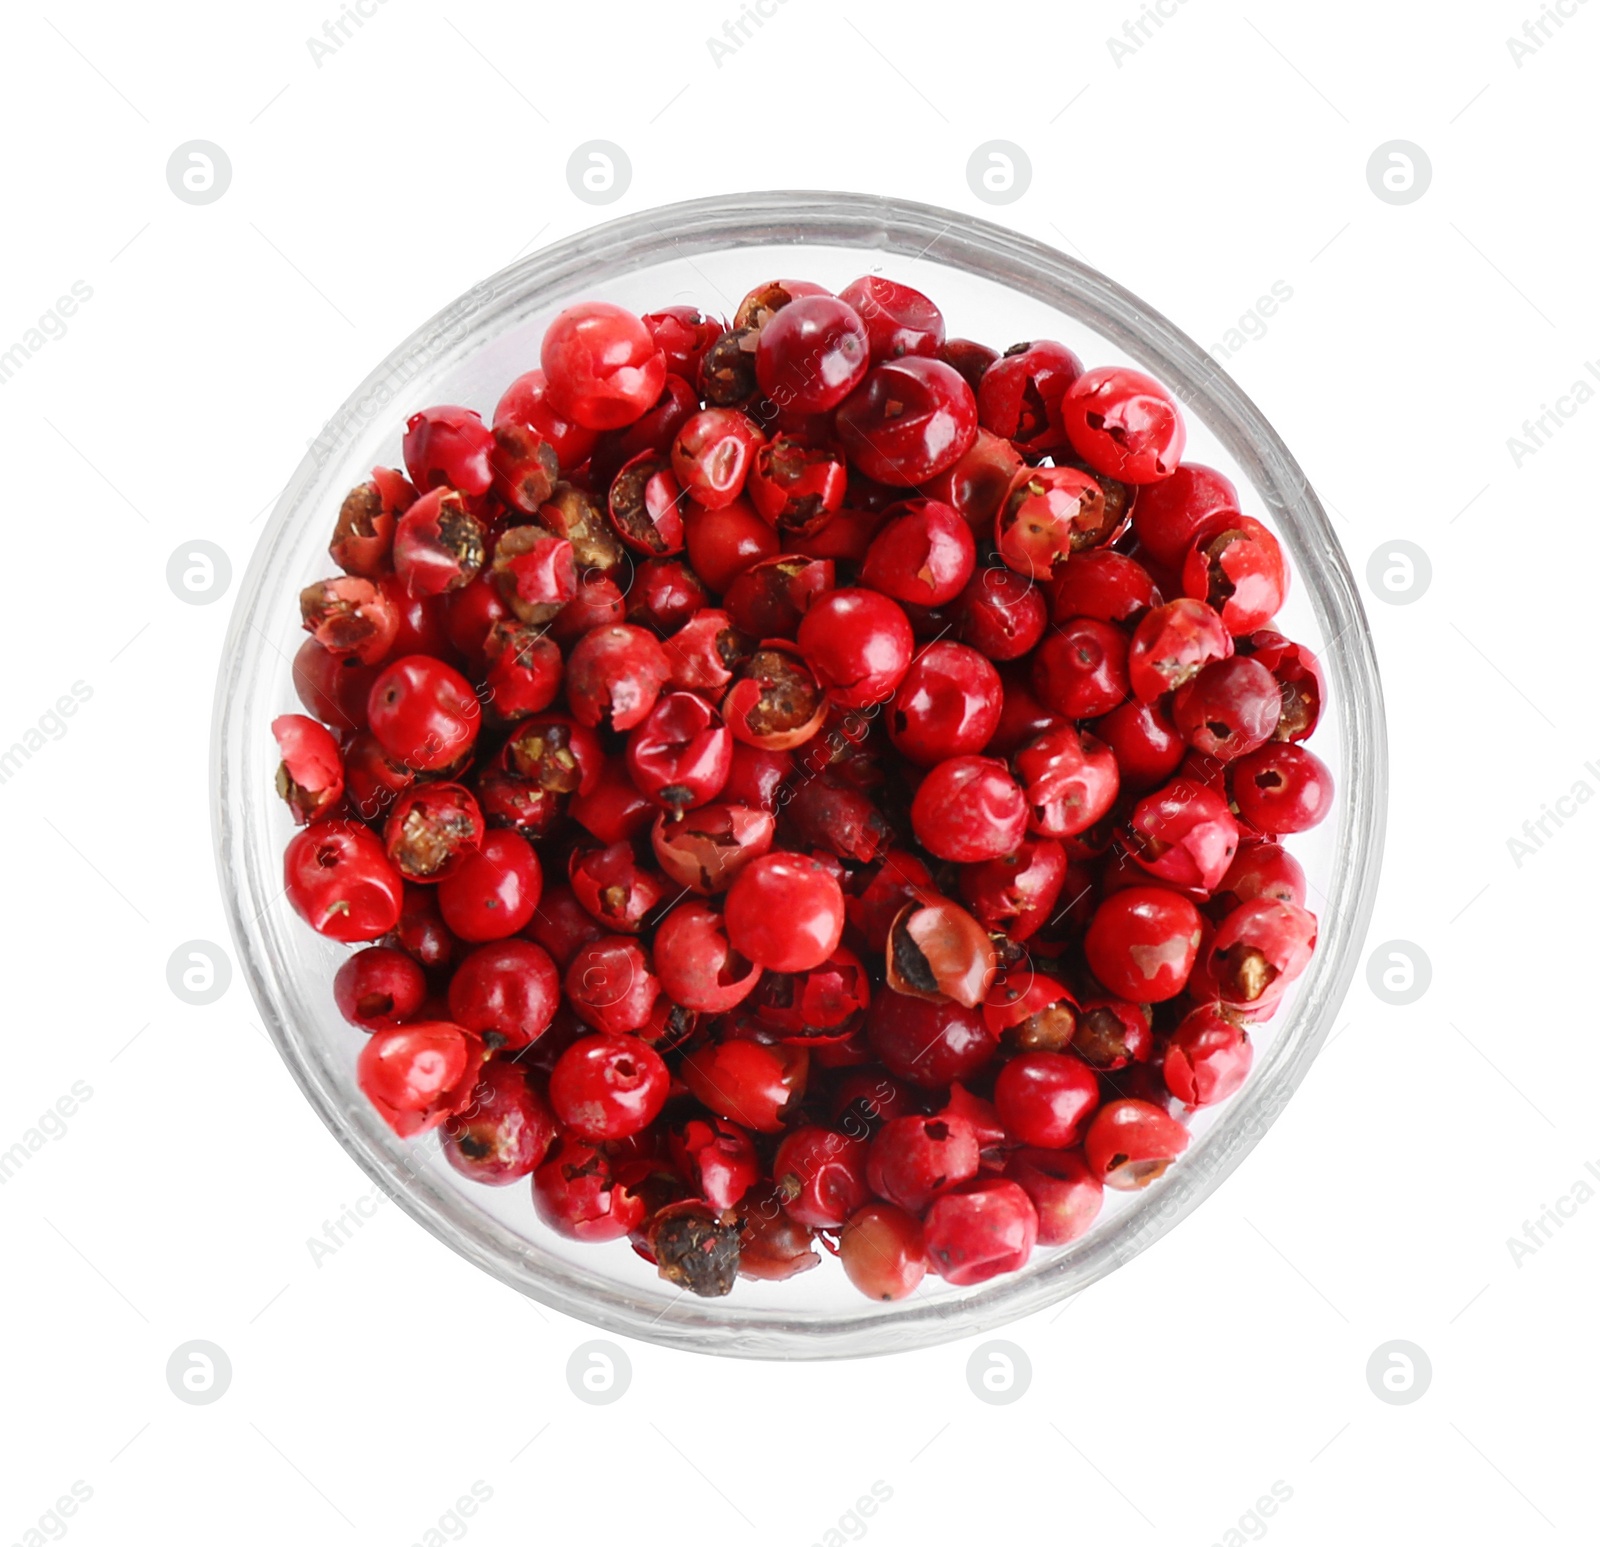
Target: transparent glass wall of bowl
992, 285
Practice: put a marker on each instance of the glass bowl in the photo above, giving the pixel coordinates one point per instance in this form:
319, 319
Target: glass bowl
992, 284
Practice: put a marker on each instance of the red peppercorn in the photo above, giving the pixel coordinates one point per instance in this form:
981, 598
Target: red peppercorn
577, 1194
1124, 423
982, 1229
1001, 614
1168, 513
725, 542
769, 598
1230, 708
1208, 1058
1102, 583
364, 532
523, 672
332, 687
601, 365
1184, 834
717, 1158
339, 880
680, 753
1064, 1192
937, 950
775, 702
1081, 668
1019, 395
311, 775
379, 988
1049, 514
1235, 564
969, 809
431, 829
785, 912
527, 404
1298, 675
881, 1251
423, 712
1045, 1098
503, 1131
821, 1175
928, 1042
418, 1075
495, 889
682, 334
1171, 644
1259, 949
747, 1082
812, 353
1262, 868
912, 1160
947, 704
1016, 892
614, 676
1142, 943
353, 618
899, 320
796, 486
536, 572
712, 456
608, 1087
922, 555
697, 965
449, 448
610, 984
439, 544
907, 421
507, 992
1070, 781
1282, 788
858, 643
1130, 1143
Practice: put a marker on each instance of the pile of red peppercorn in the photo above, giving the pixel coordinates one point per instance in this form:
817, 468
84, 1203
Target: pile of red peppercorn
812, 781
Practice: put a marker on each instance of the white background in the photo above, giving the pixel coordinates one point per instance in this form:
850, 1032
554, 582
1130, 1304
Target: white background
1227, 153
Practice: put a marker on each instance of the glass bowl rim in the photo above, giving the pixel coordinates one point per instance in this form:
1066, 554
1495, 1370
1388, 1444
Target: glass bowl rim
995, 253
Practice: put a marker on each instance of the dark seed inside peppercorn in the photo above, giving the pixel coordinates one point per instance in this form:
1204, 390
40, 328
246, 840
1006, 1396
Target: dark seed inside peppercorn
695, 1250
728, 370
789, 694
